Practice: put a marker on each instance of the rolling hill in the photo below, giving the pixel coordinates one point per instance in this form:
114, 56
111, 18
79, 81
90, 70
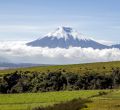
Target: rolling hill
100, 67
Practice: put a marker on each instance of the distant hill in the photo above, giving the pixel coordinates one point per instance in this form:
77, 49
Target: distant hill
4, 65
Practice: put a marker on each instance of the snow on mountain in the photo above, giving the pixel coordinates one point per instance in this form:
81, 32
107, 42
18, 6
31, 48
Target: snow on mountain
64, 37
65, 32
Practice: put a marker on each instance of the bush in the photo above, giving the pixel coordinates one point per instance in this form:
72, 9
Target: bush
75, 104
102, 93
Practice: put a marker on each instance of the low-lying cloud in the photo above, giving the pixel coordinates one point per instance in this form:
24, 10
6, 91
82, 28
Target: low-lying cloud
19, 52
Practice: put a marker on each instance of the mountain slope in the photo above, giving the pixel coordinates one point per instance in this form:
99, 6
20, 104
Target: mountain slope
64, 37
116, 46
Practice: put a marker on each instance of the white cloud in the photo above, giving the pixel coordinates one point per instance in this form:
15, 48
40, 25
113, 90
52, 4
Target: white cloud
19, 52
105, 42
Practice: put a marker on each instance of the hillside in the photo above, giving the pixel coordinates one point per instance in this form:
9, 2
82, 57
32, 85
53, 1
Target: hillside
101, 67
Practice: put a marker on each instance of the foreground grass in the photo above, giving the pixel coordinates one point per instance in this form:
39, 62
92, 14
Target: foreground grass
28, 101
106, 102
31, 100
103, 67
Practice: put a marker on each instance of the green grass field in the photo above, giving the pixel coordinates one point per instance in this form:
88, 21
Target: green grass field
103, 67
31, 100
107, 102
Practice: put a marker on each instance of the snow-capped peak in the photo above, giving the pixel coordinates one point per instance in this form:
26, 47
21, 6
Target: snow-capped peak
65, 37
66, 32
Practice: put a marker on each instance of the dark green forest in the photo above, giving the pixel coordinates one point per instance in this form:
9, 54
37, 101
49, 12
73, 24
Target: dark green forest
27, 81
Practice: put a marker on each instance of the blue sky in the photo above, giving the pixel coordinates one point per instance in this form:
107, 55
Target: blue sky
30, 19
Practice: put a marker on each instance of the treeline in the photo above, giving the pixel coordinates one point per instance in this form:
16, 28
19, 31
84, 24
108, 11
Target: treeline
22, 82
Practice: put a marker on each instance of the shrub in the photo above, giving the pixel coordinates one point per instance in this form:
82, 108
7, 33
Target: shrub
102, 93
75, 104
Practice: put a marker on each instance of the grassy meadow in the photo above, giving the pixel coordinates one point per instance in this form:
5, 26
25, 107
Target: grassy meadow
106, 102
27, 101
